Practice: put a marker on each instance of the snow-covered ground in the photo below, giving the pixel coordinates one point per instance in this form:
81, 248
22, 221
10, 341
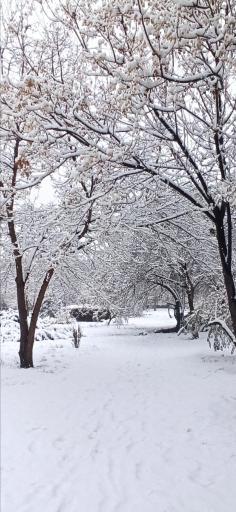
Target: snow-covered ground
125, 423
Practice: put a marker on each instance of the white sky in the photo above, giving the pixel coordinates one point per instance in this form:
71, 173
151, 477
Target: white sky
44, 193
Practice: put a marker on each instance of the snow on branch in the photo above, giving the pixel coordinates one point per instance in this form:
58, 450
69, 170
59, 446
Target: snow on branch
220, 336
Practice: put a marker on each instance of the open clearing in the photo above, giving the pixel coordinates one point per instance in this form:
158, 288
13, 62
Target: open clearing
126, 423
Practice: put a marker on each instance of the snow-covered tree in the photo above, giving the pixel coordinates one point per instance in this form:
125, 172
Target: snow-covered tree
40, 237
145, 254
161, 100
123, 92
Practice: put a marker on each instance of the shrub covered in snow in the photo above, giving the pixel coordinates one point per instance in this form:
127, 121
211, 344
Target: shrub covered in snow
46, 329
220, 337
87, 313
10, 329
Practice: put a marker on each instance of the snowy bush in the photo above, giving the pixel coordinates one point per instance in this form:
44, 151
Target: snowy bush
87, 313
46, 329
194, 323
10, 330
220, 336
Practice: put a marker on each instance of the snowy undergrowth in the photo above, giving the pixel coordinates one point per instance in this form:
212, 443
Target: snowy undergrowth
46, 329
127, 423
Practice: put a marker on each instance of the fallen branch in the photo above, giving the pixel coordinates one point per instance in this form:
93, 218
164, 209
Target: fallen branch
167, 330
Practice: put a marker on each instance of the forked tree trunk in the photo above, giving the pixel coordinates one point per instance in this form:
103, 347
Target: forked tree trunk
27, 332
25, 355
28, 335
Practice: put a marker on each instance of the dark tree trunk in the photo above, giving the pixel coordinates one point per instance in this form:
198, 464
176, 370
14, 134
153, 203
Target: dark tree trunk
188, 286
25, 362
225, 251
190, 293
26, 358
27, 332
190, 296
178, 315
230, 291
25, 354
26, 348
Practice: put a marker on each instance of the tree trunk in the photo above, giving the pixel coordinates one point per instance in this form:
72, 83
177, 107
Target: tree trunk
188, 286
178, 315
25, 360
28, 349
178, 312
25, 352
230, 291
28, 332
225, 250
190, 296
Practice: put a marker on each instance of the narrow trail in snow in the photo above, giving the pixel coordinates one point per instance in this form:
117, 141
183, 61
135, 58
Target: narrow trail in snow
125, 424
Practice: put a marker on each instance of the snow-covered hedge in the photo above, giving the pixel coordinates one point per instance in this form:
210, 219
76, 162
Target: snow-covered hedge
87, 313
47, 329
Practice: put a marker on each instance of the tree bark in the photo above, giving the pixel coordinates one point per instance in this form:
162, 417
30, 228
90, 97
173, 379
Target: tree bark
230, 291
26, 357
190, 295
22, 310
27, 332
25, 360
225, 251
189, 288
178, 315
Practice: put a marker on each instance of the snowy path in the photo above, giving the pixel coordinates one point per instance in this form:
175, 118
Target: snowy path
126, 423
